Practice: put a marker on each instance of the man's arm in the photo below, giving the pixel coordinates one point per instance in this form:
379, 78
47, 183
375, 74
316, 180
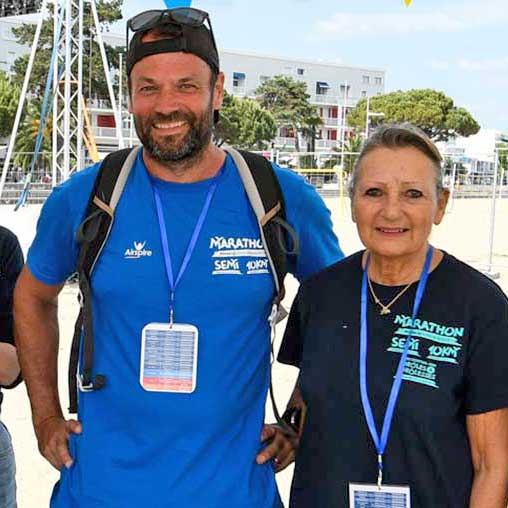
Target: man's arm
488, 437
36, 331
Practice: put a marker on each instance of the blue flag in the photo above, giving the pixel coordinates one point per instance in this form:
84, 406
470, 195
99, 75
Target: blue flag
171, 4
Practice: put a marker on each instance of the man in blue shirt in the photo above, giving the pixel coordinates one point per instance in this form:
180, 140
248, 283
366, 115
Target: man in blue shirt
183, 275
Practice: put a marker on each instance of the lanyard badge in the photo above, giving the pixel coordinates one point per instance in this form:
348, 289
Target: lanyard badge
384, 496
169, 351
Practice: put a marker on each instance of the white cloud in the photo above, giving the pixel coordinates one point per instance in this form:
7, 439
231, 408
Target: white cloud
453, 17
485, 65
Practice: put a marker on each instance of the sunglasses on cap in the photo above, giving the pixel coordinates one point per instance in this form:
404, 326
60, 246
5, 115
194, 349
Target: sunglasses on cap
187, 16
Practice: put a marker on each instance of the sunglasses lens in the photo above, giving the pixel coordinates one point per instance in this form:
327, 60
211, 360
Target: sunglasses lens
144, 19
188, 16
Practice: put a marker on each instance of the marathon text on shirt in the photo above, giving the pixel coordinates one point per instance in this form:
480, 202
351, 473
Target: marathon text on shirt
429, 341
231, 256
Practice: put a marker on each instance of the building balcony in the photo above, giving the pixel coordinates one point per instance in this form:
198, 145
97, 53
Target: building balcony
285, 142
107, 135
239, 91
335, 123
326, 144
333, 100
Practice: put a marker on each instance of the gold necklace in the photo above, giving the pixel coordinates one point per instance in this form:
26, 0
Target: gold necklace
385, 309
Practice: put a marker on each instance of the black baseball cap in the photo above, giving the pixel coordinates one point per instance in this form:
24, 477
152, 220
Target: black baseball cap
174, 34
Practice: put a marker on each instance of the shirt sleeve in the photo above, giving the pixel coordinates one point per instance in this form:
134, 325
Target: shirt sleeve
11, 263
53, 253
291, 348
487, 364
308, 215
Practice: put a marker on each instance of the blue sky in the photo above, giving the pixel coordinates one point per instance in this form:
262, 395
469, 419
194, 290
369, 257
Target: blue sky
456, 46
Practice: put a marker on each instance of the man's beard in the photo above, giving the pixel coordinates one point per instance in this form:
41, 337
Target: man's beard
175, 148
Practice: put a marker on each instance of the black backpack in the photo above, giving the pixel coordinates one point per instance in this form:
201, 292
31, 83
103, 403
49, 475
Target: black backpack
266, 198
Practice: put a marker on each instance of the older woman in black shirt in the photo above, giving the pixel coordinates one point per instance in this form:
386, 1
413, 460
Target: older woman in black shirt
402, 351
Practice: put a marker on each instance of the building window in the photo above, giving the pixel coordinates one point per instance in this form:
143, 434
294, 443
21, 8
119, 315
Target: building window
300, 71
378, 81
366, 80
333, 112
364, 93
344, 90
286, 132
322, 87
263, 79
332, 135
106, 121
238, 79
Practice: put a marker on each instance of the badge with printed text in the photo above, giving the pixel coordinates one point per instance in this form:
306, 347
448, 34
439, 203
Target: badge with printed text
364, 495
169, 356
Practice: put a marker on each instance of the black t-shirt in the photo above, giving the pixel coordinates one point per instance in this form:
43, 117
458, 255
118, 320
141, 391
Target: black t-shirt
458, 365
11, 263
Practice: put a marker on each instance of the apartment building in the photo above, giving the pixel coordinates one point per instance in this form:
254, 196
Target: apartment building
333, 88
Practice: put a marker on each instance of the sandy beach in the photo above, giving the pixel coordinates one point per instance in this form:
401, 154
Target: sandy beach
463, 233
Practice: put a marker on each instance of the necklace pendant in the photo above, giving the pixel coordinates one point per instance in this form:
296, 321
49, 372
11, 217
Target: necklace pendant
385, 311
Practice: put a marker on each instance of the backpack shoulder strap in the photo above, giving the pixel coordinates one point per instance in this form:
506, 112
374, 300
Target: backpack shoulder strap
92, 235
108, 187
265, 195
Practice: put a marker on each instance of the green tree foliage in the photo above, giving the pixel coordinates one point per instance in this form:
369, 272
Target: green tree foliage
9, 98
27, 136
430, 110
94, 83
244, 123
288, 101
353, 146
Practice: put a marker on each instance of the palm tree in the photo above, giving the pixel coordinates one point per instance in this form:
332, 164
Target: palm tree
352, 147
26, 139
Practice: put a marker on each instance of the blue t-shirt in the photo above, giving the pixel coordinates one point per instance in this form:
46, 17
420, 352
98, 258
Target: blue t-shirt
170, 450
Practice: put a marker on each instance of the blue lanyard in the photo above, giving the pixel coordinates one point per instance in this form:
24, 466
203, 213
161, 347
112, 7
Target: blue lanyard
192, 243
394, 392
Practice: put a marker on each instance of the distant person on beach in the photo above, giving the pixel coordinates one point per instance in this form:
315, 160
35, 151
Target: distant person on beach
184, 269
402, 351
11, 263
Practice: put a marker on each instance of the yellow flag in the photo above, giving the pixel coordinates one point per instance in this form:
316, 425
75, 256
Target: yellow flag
407, 2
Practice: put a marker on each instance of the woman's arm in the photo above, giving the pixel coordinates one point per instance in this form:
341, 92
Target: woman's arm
488, 438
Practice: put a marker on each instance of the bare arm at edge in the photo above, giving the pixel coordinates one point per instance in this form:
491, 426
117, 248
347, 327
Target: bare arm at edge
36, 333
488, 437
9, 364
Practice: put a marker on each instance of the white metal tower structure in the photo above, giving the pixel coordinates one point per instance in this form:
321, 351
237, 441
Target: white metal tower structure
67, 88
67, 105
